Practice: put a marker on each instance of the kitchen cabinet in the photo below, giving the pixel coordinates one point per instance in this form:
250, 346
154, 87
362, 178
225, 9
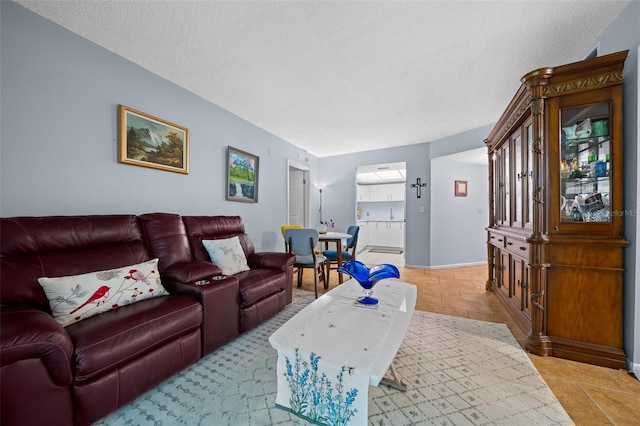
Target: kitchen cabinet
363, 193
378, 234
386, 233
387, 192
363, 235
396, 234
555, 241
381, 192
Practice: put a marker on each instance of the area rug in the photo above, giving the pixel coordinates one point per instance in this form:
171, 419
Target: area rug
386, 251
458, 372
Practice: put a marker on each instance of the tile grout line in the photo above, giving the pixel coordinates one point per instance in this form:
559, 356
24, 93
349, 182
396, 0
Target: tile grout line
595, 404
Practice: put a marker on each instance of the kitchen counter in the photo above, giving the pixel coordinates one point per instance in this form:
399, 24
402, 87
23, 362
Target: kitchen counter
381, 220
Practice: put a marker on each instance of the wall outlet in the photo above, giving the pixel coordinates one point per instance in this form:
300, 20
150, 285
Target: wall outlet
421, 209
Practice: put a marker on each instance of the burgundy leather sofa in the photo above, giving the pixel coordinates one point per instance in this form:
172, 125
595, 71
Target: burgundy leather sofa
77, 374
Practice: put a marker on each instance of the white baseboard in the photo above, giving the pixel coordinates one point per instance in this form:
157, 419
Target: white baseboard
415, 266
457, 265
634, 368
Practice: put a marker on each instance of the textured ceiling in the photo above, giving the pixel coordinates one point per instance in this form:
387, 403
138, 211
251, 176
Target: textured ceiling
340, 77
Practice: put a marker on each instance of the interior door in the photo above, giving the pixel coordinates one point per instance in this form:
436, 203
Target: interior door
296, 197
297, 194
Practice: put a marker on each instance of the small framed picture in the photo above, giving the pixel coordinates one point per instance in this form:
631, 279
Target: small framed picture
242, 176
461, 188
148, 141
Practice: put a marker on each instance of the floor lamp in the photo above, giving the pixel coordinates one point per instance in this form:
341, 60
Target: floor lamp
320, 187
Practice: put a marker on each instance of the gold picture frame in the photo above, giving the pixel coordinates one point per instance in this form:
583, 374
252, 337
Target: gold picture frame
148, 141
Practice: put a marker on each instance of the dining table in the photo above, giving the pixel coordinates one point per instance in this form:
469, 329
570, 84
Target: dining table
337, 238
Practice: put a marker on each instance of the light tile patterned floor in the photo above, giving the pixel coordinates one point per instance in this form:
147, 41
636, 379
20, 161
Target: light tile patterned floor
591, 395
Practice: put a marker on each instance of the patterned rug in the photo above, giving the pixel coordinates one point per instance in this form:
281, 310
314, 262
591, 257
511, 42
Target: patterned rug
458, 372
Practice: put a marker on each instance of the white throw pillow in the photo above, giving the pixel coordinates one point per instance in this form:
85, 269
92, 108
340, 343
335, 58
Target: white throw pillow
78, 297
227, 254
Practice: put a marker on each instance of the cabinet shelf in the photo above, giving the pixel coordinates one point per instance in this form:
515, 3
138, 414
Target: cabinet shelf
590, 139
586, 179
572, 187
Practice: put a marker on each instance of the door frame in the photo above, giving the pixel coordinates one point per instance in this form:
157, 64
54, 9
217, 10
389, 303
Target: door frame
306, 171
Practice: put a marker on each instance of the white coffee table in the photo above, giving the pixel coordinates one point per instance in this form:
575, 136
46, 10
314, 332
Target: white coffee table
343, 333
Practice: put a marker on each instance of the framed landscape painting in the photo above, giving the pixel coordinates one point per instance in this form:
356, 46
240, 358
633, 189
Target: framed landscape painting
242, 176
148, 141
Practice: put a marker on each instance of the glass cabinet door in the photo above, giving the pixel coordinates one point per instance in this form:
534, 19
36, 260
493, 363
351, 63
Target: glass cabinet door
585, 180
506, 186
497, 189
519, 174
501, 187
529, 178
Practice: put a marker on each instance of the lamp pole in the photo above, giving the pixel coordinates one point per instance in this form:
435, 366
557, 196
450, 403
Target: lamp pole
320, 211
320, 187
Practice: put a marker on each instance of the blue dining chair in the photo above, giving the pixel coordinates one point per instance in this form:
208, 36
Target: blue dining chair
348, 251
302, 243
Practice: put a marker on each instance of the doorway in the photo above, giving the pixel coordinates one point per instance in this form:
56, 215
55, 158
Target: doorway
458, 236
297, 194
380, 210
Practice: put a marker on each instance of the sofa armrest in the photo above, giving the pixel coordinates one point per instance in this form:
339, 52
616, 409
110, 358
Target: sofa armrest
189, 272
27, 333
220, 309
273, 260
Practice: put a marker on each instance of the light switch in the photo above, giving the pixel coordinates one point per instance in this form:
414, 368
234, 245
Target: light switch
421, 209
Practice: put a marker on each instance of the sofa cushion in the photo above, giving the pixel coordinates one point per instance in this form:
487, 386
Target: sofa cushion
78, 297
257, 284
227, 254
215, 227
167, 238
56, 246
114, 338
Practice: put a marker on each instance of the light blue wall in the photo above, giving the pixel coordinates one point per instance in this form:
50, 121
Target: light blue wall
59, 136
463, 239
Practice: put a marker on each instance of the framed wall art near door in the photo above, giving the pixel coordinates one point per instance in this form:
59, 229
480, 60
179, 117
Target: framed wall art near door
242, 176
460, 188
148, 141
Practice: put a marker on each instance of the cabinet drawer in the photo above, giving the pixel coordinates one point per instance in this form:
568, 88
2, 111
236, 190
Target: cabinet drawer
518, 247
497, 240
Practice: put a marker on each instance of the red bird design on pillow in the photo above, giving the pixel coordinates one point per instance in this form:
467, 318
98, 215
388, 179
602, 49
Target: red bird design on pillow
98, 297
136, 275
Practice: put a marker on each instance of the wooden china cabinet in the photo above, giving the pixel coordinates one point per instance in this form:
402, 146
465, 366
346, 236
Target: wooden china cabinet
555, 241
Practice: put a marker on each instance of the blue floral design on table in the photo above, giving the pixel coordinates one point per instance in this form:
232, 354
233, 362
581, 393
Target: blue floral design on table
314, 397
367, 278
